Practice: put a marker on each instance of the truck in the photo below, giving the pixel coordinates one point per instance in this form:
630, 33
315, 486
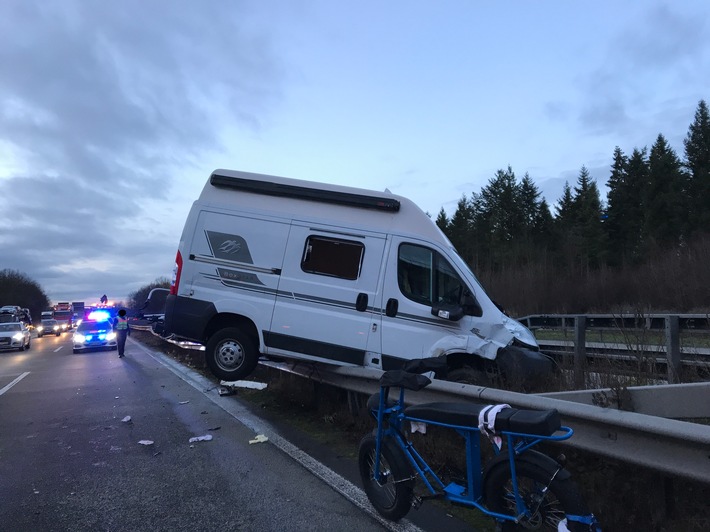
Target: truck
291, 269
64, 314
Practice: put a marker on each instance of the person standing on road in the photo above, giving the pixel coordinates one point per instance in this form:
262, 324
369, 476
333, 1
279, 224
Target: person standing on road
122, 331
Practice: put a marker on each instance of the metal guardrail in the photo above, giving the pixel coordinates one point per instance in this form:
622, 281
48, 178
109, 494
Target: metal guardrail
678, 448
686, 322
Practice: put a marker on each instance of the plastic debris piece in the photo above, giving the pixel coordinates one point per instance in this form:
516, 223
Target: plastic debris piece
259, 439
184, 402
215, 428
206, 437
226, 391
156, 454
146, 442
418, 426
244, 384
126, 419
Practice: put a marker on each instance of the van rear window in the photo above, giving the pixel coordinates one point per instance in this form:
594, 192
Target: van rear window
333, 257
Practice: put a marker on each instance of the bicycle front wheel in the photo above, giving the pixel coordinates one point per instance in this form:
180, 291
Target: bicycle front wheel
391, 494
549, 502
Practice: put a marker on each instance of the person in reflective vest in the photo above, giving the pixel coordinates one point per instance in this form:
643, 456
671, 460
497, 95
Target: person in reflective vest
122, 331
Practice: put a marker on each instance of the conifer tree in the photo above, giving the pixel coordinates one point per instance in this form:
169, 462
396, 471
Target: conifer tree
442, 221
697, 162
665, 218
588, 230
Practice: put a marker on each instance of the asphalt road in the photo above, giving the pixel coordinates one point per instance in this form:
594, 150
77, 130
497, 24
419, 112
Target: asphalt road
68, 461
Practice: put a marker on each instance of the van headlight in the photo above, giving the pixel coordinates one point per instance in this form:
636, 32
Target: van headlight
520, 332
40, 328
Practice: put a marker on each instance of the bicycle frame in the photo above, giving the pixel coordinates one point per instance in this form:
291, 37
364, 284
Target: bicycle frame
472, 493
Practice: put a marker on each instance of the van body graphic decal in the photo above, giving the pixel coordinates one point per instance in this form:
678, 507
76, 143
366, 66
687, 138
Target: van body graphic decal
237, 277
229, 247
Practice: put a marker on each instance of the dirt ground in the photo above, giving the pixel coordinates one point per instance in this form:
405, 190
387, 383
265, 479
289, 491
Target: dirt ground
623, 497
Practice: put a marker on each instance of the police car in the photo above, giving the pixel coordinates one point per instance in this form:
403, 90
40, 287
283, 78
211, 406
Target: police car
96, 332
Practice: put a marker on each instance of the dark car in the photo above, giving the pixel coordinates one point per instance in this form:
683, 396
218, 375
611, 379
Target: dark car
48, 327
91, 334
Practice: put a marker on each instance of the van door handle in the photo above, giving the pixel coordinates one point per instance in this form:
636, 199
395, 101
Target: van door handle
361, 302
392, 307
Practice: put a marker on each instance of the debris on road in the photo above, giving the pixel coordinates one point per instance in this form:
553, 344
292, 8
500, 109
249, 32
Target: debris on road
184, 402
146, 442
206, 437
223, 390
244, 384
259, 439
215, 428
126, 419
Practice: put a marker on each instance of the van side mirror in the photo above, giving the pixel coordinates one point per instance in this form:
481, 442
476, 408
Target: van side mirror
447, 311
470, 305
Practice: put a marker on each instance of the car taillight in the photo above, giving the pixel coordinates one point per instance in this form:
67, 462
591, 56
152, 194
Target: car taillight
176, 274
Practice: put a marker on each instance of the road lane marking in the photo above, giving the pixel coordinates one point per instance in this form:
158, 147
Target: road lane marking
340, 484
18, 379
58, 348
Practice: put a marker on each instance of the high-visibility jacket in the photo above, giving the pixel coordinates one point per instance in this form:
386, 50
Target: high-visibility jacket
121, 324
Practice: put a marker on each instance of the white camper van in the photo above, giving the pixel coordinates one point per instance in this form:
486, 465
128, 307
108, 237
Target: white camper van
270, 266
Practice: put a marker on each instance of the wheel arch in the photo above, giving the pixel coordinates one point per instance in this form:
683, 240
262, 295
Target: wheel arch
227, 319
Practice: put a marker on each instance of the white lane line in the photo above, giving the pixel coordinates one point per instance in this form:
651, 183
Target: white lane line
18, 379
58, 348
340, 484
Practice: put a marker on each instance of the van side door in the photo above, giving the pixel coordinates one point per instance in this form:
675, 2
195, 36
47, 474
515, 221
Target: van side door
324, 305
417, 277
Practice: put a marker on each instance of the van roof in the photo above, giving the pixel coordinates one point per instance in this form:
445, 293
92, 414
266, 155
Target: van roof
294, 198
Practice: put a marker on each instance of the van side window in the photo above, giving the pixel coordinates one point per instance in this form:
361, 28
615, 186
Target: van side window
426, 277
333, 257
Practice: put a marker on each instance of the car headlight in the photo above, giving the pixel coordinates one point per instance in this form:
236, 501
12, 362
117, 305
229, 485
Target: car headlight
17, 336
520, 332
111, 336
79, 338
64, 325
56, 327
40, 328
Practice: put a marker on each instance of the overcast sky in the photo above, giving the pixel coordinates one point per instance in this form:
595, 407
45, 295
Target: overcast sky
113, 114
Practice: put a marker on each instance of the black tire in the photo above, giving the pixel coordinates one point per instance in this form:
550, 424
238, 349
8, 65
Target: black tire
562, 497
39, 335
21, 348
393, 498
231, 355
75, 351
58, 334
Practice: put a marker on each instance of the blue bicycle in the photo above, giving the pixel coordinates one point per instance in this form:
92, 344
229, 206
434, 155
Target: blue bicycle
522, 489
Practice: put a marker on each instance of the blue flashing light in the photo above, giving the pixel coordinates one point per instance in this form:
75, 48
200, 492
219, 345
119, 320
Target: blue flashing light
99, 315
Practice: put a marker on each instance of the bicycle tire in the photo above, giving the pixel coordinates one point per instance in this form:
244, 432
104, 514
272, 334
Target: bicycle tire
551, 506
393, 498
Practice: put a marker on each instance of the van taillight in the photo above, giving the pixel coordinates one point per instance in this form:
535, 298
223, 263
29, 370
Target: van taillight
176, 274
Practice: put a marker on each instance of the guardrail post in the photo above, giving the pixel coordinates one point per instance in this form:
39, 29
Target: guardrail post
673, 349
580, 350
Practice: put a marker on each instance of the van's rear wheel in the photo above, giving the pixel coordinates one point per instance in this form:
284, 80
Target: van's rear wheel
231, 354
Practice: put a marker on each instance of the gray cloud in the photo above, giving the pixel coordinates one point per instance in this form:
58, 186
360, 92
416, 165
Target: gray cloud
105, 104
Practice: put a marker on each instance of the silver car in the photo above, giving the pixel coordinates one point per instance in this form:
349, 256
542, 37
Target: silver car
14, 335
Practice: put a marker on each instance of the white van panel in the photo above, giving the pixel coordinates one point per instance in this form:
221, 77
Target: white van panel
315, 315
237, 261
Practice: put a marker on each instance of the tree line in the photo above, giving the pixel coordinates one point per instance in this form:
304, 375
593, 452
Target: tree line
646, 247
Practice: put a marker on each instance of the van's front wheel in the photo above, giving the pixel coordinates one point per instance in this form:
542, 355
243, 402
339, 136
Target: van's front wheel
231, 354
